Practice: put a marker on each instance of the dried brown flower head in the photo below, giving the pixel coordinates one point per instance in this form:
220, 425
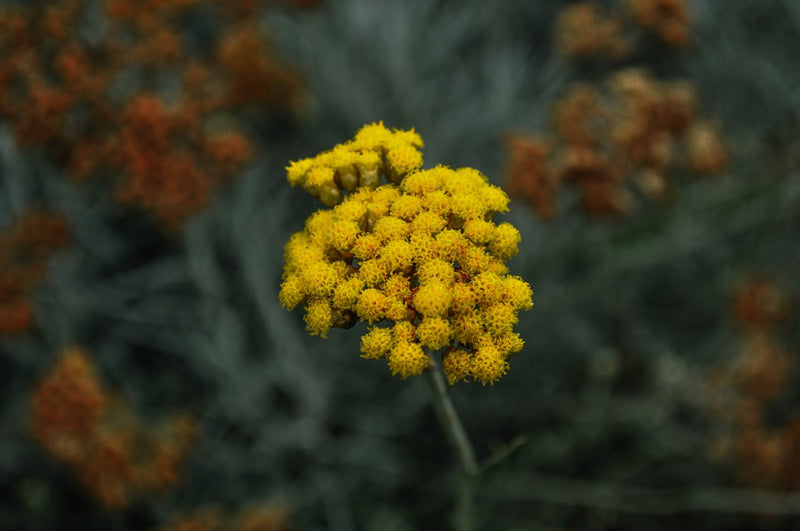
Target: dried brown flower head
583, 31
116, 456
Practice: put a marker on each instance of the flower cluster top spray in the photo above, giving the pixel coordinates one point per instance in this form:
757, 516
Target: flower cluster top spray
419, 258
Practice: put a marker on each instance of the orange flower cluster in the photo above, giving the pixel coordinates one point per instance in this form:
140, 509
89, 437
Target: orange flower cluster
667, 20
24, 250
269, 517
115, 456
171, 170
610, 139
760, 453
91, 104
584, 30
760, 304
256, 75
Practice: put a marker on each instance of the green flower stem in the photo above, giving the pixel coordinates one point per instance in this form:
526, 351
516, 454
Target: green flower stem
463, 518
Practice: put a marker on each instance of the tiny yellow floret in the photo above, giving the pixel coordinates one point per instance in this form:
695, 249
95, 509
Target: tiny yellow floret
319, 317
403, 159
407, 359
343, 234
488, 365
434, 333
479, 231
376, 343
292, 292
345, 296
372, 305
319, 279
403, 331
505, 240
436, 269
397, 254
433, 299
499, 319
457, 365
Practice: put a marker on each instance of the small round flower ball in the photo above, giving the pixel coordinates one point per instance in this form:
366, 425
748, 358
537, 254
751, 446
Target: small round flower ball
397, 285
428, 223
372, 272
494, 199
517, 293
319, 278
451, 244
297, 171
474, 260
319, 317
318, 225
372, 305
488, 364
468, 206
366, 247
496, 266
389, 228
499, 319
404, 158
381, 199
396, 309
292, 292
421, 182
343, 234
479, 231
434, 333
403, 331
345, 295
436, 269
376, 343
463, 298
438, 202
467, 327
424, 246
407, 359
457, 365
409, 137
372, 136
505, 241
433, 299
299, 251
508, 343
351, 209
406, 207
397, 254
487, 288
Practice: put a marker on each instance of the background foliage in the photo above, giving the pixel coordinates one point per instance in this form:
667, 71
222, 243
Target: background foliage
614, 393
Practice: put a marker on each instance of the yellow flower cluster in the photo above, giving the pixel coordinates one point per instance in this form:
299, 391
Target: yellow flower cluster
420, 260
374, 151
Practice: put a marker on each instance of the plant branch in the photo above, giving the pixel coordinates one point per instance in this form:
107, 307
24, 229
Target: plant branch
448, 418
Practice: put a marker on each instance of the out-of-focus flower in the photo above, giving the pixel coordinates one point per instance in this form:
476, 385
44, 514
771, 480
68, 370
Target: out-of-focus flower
25, 248
707, 153
758, 446
115, 455
612, 138
583, 31
760, 303
62, 93
271, 516
668, 20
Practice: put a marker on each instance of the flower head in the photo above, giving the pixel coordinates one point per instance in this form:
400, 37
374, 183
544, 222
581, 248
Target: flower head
421, 253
